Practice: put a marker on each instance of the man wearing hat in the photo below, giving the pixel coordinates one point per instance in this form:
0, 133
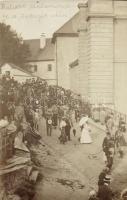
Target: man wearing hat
49, 122
106, 144
102, 176
105, 192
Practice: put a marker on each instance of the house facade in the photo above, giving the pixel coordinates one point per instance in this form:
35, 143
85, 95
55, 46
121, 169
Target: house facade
65, 40
18, 73
42, 60
50, 57
102, 65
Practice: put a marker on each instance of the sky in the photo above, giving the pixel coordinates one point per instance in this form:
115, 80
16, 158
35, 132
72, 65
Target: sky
30, 18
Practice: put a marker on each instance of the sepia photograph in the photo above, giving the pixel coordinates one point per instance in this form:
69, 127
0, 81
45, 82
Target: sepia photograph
63, 100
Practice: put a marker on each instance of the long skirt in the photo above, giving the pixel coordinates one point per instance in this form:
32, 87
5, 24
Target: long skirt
85, 137
63, 137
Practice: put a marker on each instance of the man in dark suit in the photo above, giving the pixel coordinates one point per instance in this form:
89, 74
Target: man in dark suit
105, 192
49, 115
68, 129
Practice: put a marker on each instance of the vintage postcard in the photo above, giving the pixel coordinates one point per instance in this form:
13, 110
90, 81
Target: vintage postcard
63, 110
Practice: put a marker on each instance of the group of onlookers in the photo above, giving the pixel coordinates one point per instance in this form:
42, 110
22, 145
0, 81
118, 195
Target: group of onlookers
113, 144
35, 99
25, 104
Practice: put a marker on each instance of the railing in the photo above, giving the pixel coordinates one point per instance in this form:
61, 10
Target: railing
119, 114
109, 110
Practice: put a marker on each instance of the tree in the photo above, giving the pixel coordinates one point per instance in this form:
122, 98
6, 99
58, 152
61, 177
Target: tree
12, 48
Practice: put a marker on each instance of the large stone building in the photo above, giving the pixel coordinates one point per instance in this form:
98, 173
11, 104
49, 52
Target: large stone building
101, 69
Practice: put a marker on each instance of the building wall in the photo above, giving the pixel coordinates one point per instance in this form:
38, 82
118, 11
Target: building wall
106, 57
18, 75
120, 55
101, 60
83, 52
74, 79
66, 52
42, 71
96, 51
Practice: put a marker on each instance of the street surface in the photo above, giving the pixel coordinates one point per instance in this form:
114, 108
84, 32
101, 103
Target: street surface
70, 171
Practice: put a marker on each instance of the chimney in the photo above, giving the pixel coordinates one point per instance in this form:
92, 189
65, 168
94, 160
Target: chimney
42, 41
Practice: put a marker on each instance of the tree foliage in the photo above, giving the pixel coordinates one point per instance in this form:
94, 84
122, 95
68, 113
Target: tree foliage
12, 48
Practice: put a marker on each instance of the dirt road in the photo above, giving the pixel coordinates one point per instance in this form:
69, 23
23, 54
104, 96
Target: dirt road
70, 170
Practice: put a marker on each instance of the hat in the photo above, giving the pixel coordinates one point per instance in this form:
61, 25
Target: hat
107, 179
106, 169
37, 102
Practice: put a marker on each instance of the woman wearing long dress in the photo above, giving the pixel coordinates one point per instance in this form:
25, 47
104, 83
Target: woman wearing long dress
63, 137
85, 134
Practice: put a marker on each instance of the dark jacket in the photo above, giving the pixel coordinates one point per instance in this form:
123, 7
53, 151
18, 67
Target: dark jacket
106, 145
101, 178
105, 193
67, 127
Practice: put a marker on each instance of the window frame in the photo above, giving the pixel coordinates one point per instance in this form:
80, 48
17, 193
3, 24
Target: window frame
35, 68
49, 67
7, 73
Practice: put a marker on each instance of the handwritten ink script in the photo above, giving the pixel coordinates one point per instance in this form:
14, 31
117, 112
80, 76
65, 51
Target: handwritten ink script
17, 4
35, 9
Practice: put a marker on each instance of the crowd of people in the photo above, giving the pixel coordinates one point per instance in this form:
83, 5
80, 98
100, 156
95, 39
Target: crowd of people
29, 102
113, 145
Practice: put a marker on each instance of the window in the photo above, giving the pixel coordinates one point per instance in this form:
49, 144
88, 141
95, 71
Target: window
49, 67
7, 73
35, 68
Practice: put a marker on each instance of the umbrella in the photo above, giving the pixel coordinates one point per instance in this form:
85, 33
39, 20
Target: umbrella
83, 121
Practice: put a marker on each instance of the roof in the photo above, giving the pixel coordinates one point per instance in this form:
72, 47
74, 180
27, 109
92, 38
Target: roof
74, 63
16, 67
37, 54
70, 28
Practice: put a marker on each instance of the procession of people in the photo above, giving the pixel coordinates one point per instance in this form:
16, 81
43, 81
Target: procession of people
62, 110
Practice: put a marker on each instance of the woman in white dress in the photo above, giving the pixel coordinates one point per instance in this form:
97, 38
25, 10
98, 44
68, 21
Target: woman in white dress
85, 134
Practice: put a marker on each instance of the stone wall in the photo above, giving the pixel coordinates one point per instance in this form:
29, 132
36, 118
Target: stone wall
96, 51
101, 59
102, 70
120, 55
